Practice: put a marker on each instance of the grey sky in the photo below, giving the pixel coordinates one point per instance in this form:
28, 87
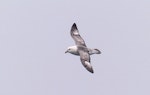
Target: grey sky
34, 35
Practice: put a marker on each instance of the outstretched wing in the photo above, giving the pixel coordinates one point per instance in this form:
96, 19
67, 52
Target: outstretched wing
85, 60
76, 36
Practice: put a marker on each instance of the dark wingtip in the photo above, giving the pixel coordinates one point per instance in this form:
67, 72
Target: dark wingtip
74, 26
92, 71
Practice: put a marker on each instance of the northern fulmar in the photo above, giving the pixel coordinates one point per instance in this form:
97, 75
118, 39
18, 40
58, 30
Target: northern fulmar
81, 49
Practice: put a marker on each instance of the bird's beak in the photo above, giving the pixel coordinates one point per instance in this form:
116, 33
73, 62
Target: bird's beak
66, 51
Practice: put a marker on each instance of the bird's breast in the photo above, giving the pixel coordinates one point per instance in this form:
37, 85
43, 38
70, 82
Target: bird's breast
75, 53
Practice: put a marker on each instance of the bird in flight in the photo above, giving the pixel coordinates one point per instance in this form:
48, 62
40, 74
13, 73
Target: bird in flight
80, 49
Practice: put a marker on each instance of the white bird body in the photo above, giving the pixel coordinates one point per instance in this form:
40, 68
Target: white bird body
74, 50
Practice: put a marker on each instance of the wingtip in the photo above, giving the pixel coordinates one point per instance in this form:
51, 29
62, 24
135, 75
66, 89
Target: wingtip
74, 25
88, 67
92, 71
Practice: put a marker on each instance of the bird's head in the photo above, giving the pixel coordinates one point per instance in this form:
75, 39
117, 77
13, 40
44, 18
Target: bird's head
68, 50
71, 49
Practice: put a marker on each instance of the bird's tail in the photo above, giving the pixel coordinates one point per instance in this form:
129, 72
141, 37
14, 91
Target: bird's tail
94, 51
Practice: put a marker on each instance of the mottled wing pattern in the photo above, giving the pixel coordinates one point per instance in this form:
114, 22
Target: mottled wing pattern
76, 36
85, 60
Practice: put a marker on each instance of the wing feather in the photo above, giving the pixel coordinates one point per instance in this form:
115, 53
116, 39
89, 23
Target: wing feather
85, 60
76, 36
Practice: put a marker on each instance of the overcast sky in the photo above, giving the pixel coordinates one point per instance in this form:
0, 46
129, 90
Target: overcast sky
34, 34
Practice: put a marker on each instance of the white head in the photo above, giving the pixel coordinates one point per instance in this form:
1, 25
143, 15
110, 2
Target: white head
72, 49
